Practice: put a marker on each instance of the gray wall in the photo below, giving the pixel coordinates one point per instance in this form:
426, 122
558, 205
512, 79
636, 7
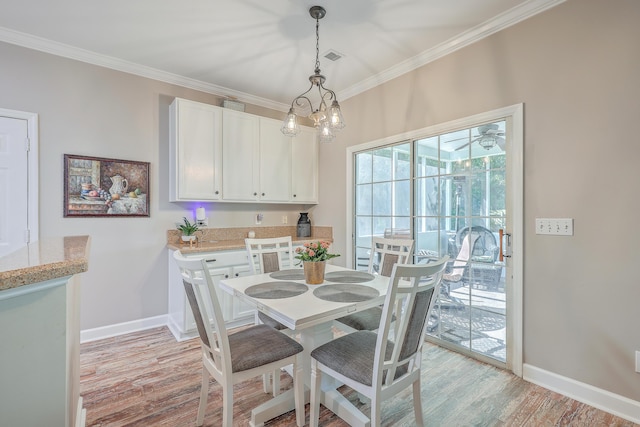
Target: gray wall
89, 110
575, 68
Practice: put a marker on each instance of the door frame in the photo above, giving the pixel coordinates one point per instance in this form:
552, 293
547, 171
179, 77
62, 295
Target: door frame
514, 115
32, 168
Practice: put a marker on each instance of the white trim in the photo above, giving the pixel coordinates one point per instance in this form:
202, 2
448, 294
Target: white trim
514, 114
109, 331
510, 17
66, 51
32, 165
615, 404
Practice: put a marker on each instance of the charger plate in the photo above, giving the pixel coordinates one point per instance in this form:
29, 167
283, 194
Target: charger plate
348, 277
345, 292
291, 274
276, 290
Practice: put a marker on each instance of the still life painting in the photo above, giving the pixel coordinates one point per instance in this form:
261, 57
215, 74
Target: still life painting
95, 186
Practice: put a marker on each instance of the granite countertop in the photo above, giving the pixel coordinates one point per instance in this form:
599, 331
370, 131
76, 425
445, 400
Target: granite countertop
224, 239
46, 259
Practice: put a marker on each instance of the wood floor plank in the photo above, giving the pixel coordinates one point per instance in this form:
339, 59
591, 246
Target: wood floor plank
148, 379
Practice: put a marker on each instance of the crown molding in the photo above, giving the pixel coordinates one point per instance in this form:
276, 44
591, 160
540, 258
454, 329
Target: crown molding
500, 22
83, 55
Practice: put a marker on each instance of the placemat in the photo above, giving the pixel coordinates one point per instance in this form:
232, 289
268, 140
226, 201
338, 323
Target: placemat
292, 274
276, 290
345, 292
348, 277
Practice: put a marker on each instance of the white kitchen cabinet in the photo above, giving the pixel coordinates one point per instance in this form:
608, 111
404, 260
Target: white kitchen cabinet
304, 167
218, 154
274, 162
240, 156
222, 264
195, 163
256, 158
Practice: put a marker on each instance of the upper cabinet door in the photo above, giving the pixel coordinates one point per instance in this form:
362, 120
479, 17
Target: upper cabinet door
240, 156
195, 164
275, 162
304, 167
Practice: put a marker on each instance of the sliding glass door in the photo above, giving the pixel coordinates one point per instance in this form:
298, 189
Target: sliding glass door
448, 193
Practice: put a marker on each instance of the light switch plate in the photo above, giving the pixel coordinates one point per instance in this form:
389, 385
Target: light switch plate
555, 226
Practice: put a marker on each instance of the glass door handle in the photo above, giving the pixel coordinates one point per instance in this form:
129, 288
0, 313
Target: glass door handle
504, 255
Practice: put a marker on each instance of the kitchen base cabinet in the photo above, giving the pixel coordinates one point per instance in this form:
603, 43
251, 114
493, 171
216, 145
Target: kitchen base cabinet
223, 264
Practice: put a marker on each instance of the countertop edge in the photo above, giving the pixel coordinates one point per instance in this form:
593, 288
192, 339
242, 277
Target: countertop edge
64, 256
229, 245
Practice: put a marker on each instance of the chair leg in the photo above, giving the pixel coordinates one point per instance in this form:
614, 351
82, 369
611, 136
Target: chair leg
227, 405
266, 383
204, 393
375, 411
275, 382
314, 405
298, 390
417, 403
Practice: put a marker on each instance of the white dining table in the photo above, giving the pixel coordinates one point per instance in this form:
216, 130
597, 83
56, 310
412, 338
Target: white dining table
312, 317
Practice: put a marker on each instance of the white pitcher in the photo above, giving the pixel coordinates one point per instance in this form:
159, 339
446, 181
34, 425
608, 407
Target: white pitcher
119, 186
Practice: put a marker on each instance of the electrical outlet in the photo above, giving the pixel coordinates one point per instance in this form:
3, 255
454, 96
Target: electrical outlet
638, 361
285, 219
556, 226
259, 218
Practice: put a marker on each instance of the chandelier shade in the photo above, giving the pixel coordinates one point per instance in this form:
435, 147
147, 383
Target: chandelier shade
327, 120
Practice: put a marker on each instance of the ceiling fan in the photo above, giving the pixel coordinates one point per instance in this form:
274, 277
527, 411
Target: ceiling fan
490, 136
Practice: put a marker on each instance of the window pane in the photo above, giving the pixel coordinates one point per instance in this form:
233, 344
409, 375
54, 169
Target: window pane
382, 164
363, 231
402, 198
382, 198
426, 199
381, 223
363, 168
402, 167
363, 199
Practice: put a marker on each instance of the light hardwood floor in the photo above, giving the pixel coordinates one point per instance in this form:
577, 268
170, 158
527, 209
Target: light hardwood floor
149, 379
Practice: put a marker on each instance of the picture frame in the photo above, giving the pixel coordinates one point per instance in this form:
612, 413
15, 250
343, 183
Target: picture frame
101, 187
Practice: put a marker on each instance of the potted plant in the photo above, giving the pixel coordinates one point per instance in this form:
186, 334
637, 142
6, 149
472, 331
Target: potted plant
188, 230
313, 257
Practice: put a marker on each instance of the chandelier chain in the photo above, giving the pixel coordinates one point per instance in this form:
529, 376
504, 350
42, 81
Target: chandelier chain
317, 45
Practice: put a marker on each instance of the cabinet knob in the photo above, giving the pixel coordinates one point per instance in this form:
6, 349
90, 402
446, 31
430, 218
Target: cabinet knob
237, 274
226, 276
294, 195
217, 192
255, 194
263, 194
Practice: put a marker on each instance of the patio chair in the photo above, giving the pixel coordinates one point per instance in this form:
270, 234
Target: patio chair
233, 358
477, 247
385, 253
373, 364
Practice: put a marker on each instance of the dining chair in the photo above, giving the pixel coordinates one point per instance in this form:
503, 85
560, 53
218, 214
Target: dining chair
233, 358
269, 255
385, 253
373, 364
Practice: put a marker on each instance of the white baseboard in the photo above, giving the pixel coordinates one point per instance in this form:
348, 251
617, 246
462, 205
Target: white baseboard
109, 331
610, 402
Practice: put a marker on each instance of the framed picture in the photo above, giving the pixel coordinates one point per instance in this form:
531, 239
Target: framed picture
95, 186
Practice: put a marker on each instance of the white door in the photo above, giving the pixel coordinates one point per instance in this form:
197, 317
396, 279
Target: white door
14, 184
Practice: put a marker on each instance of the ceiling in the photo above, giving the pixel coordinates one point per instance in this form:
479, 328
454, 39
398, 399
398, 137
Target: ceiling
258, 51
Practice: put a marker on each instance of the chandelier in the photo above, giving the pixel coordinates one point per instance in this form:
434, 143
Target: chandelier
326, 120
